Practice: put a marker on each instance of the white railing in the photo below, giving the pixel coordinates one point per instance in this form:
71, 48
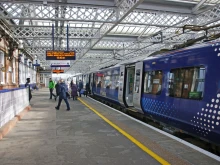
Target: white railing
12, 102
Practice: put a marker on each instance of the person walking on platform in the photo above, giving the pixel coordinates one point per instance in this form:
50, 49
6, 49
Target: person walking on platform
27, 85
80, 87
51, 87
87, 89
63, 96
57, 87
74, 91
71, 84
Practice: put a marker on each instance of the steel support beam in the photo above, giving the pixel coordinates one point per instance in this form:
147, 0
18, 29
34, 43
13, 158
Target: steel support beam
45, 32
196, 8
169, 34
125, 7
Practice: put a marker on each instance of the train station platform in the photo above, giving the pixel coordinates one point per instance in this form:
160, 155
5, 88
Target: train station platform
90, 133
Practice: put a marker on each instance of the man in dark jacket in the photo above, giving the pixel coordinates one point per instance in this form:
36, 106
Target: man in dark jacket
80, 87
27, 85
57, 87
62, 95
87, 89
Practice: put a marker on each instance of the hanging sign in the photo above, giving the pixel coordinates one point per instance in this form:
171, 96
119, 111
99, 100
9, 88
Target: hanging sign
58, 71
60, 63
36, 63
60, 55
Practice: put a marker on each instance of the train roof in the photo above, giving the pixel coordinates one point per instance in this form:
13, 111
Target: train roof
159, 55
130, 61
193, 47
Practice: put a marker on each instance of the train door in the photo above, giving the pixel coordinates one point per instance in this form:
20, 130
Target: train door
84, 80
77, 80
74, 79
137, 86
129, 88
121, 85
126, 85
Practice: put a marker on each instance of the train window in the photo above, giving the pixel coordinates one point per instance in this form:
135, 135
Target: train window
98, 79
187, 82
153, 82
114, 80
137, 83
109, 80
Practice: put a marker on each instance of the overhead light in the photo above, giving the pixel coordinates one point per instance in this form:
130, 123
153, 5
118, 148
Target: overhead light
20, 45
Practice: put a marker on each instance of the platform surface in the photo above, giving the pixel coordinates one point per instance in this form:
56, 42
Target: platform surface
46, 136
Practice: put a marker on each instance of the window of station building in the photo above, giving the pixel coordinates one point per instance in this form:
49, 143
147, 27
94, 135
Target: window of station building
2, 65
26, 72
153, 82
23, 74
41, 78
14, 70
20, 73
187, 83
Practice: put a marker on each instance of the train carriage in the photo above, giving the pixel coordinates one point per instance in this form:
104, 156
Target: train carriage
180, 88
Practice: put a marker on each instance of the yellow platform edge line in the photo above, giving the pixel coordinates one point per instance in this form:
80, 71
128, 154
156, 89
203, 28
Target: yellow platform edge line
131, 138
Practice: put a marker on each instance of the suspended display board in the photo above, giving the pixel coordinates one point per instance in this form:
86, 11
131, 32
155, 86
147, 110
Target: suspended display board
60, 55
58, 71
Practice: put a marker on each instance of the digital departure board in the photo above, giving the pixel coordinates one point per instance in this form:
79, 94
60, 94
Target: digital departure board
58, 71
60, 55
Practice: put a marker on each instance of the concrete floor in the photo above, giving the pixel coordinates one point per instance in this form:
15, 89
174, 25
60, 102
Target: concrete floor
45, 136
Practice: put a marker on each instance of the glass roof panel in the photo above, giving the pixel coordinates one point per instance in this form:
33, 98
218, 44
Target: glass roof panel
26, 22
141, 23
16, 21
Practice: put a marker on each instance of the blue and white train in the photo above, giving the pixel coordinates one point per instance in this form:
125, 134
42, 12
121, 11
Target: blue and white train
179, 88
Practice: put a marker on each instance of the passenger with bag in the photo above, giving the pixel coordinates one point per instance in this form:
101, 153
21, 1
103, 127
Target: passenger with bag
63, 95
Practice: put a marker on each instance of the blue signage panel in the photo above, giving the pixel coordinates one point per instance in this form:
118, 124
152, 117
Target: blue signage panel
36, 64
59, 65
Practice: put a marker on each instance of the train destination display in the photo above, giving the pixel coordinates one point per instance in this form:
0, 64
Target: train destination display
58, 71
60, 55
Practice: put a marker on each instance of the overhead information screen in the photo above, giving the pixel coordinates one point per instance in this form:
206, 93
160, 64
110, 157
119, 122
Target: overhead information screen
60, 55
58, 71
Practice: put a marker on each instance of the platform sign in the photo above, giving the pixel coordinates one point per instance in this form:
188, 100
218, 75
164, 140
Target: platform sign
60, 63
36, 62
58, 71
60, 55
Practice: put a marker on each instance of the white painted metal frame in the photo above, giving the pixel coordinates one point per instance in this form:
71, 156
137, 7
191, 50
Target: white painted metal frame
105, 35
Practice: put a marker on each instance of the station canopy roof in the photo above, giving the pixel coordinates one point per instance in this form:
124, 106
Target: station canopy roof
106, 32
